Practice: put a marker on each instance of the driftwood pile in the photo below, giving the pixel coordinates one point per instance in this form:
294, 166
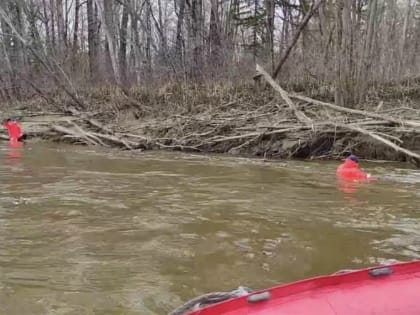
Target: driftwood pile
290, 126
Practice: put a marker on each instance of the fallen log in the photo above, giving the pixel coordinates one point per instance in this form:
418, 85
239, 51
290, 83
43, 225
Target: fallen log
116, 140
409, 153
401, 122
73, 134
88, 135
93, 137
299, 114
91, 121
351, 126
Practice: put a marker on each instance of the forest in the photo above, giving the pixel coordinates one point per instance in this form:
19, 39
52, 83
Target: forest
185, 72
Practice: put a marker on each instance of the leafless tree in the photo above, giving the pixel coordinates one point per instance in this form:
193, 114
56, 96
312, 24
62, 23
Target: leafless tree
348, 45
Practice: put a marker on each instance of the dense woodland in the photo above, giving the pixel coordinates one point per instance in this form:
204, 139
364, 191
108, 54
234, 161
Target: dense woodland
347, 46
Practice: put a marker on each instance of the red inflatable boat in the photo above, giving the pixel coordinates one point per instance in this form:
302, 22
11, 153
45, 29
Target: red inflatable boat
388, 290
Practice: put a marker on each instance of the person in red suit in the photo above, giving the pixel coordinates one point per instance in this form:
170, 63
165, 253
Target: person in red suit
349, 170
14, 130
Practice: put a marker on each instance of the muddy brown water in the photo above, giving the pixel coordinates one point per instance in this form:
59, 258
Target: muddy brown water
86, 231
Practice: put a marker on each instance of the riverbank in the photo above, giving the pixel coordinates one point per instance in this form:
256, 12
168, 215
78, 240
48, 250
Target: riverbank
245, 120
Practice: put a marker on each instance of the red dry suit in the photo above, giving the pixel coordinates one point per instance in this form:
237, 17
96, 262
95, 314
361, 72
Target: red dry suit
349, 170
14, 130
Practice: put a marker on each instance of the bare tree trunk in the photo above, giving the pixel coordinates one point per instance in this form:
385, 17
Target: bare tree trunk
93, 40
388, 62
214, 35
162, 32
52, 9
46, 24
106, 15
76, 27
7, 92
197, 33
304, 4
135, 45
15, 51
179, 38
326, 32
123, 42
339, 89
284, 37
270, 11
344, 85
416, 36
231, 27
36, 42
232, 30
17, 9
366, 60
254, 32
66, 23
148, 36
75, 44
60, 25
403, 43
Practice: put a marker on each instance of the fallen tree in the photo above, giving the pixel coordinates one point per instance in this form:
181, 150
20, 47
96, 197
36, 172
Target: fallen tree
270, 123
354, 125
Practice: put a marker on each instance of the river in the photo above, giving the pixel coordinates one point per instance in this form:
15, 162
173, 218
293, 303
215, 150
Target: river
90, 231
